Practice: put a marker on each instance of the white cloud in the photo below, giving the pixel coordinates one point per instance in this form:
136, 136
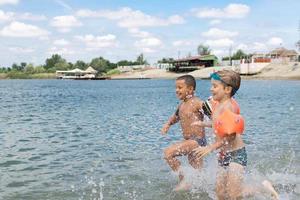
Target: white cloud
3, 2
252, 47
61, 42
257, 46
215, 22
10, 16
18, 29
230, 11
148, 50
224, 42
6, 16
180, 43
218, 33
243, 47
176, 19
128, 18
148, 45
148, 42
21, 50
135, 32
97, 42
60, 51
32, 17
65, 23
219, 52
275, 41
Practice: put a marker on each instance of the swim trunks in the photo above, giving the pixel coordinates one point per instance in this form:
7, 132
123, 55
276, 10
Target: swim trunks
238, 156
201, 141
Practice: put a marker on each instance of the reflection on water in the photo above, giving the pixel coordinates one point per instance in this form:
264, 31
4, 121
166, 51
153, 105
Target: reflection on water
101, 139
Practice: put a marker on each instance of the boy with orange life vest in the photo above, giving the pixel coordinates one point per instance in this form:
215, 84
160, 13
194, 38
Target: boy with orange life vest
228, 126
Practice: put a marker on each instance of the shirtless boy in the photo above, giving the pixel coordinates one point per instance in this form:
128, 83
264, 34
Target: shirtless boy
188, 112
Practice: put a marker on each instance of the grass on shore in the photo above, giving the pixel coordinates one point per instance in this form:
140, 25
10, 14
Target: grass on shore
22, 75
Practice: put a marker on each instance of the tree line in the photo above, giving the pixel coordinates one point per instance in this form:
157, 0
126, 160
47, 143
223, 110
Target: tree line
102, 65
57, 62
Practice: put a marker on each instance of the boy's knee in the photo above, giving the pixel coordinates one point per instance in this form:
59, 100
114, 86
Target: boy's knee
220, 191
234, 194
167, 154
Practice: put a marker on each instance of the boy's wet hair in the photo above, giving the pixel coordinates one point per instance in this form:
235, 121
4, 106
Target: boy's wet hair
230, 78
189, 80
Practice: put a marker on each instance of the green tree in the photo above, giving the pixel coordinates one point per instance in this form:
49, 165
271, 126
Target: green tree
166, 60
203, 50
80, 64
298, 44
140, 60
23, 65
238, 55
51, 62
61, 65
3, 70
125, 63
15, 67
39, 69
100, 64
29, 68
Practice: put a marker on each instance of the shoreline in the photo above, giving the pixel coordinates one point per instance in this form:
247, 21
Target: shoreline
120, 77
289, 71
270, 72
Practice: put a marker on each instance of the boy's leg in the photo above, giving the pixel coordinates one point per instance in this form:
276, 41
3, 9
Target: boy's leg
221, 183
235, 181
170, 153
178, 149
195, 162
265, 188
270, 189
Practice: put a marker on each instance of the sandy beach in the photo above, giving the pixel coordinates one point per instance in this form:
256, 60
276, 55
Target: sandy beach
271, 71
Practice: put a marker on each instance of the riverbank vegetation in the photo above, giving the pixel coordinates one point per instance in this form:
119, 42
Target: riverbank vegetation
56, 62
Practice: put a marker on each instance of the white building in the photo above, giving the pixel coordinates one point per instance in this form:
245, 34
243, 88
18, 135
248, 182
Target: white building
89, 73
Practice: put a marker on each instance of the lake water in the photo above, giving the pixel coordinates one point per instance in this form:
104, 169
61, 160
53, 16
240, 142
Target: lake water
63, 139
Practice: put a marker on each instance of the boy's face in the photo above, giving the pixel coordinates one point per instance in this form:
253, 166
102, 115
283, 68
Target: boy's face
219, 91
183, 90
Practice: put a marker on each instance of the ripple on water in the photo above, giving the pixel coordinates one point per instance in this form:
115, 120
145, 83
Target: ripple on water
10, 163
100, 139
20, 183
26, 149
35, 158
24, 140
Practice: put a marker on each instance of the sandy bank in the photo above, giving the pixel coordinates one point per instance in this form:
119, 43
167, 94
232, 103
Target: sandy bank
272, 71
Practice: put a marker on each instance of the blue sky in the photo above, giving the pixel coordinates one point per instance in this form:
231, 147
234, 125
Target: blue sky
33, 30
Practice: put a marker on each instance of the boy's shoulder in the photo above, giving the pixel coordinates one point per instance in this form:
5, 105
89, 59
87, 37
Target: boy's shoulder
195, 98
197, 102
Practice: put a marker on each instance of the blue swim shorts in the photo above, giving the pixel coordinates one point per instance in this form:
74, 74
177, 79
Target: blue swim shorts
201, 141
238, 156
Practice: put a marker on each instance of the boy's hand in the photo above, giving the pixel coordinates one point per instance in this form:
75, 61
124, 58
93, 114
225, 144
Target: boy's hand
202, 151
165, 129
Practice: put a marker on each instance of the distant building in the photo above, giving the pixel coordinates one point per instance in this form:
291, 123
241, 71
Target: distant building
194, 62
130, 68
89, 73
283, 54
165, 66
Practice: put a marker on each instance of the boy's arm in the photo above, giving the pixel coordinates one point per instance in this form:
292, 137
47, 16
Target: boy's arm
203, 151
203, 124
172, 120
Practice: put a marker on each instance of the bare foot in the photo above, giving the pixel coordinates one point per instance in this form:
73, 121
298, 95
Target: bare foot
182, 186
269, 187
